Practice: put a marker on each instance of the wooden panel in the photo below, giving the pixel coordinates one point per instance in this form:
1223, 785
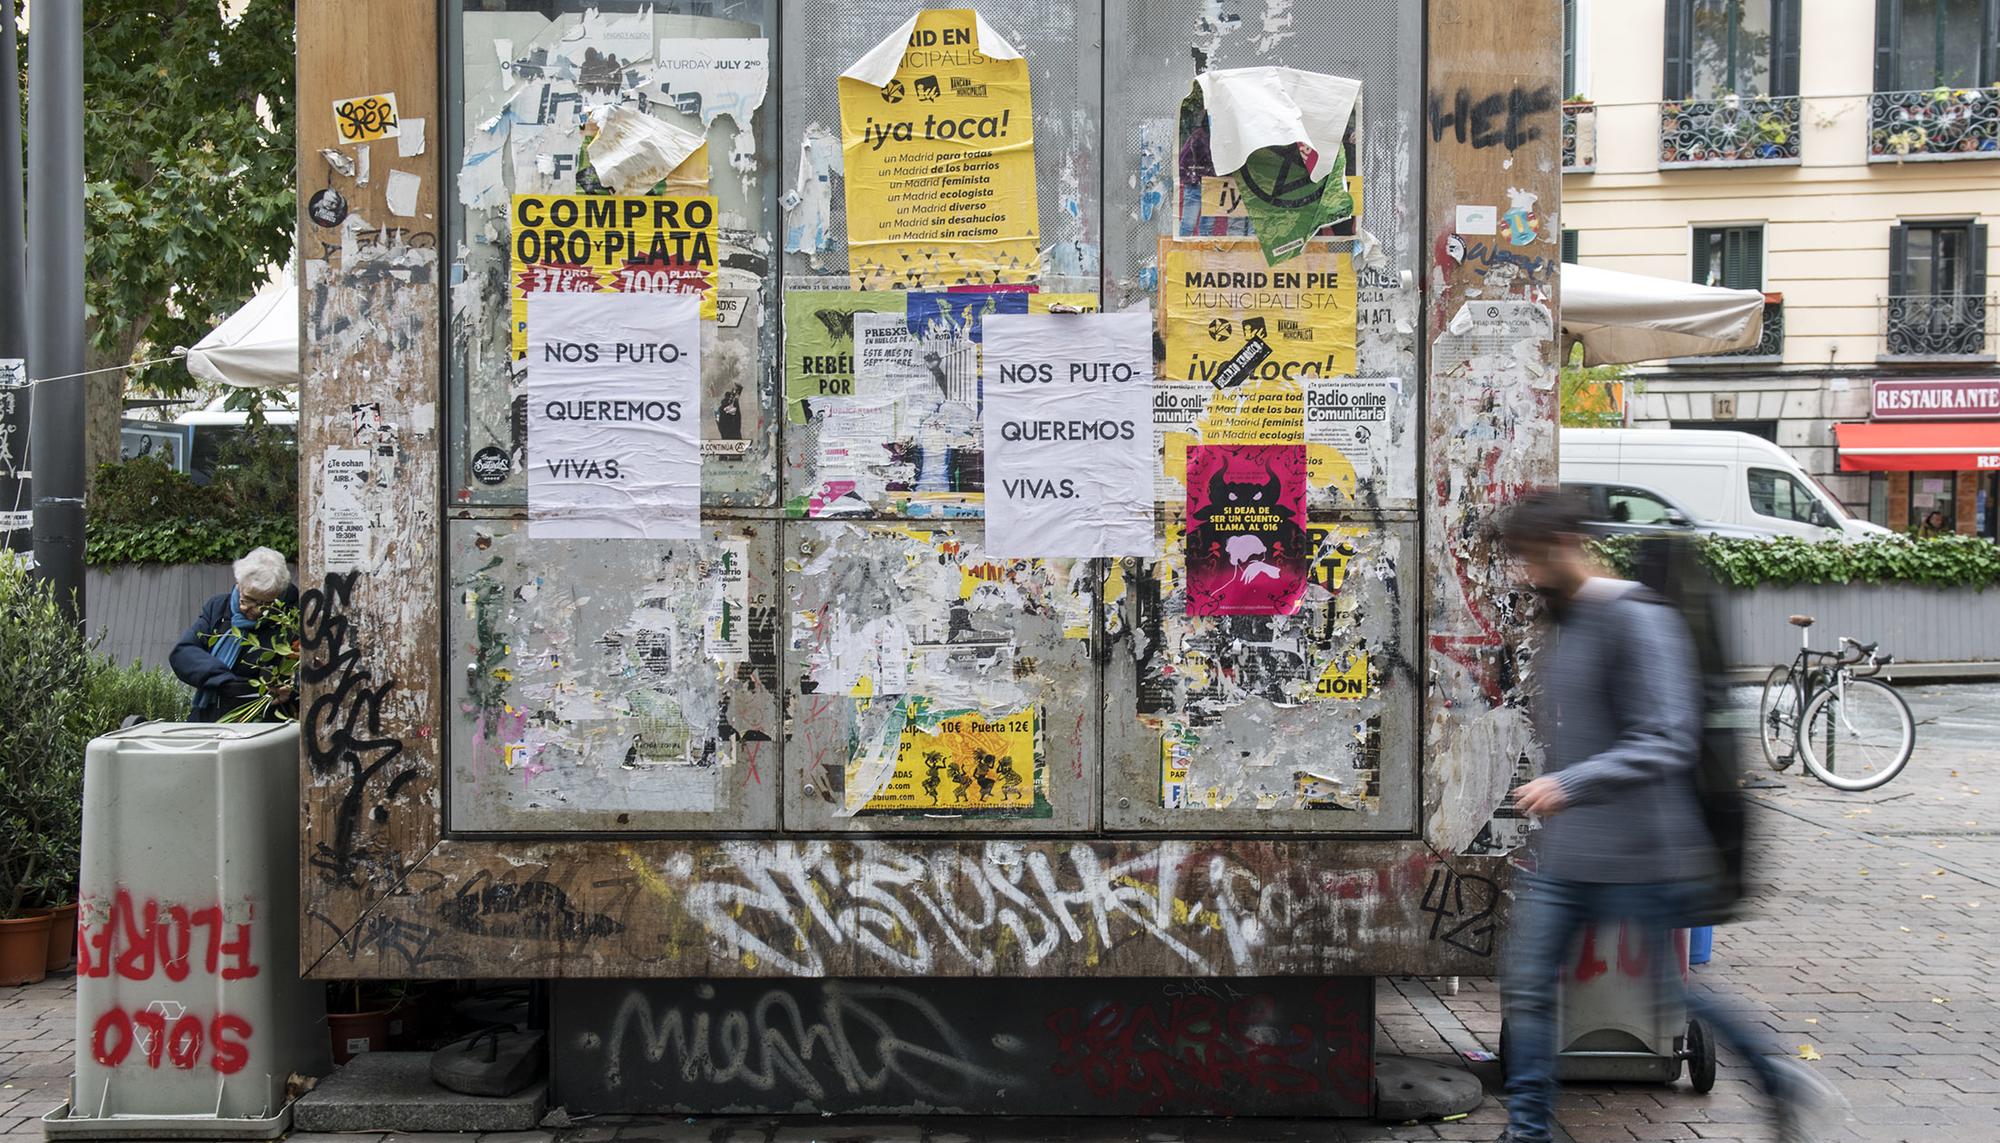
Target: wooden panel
369, 360
882, 907
1494, 133
140, 612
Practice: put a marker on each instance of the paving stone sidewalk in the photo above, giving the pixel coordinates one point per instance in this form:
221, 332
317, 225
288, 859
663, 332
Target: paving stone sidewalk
1874, 946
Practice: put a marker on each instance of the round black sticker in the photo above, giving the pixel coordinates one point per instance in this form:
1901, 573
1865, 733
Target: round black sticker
491, 466
326, 207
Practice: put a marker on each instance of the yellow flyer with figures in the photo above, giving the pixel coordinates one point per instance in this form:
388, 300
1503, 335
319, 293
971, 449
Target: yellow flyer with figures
1230, 318
937, 138
611, 244
955, 761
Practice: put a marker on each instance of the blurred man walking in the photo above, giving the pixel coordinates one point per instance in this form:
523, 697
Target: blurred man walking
1622, 837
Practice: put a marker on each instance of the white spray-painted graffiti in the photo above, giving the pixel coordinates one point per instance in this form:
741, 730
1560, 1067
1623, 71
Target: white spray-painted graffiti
859, 1038
823, 908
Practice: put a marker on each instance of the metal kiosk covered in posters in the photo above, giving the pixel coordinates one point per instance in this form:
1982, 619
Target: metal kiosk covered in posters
797, 731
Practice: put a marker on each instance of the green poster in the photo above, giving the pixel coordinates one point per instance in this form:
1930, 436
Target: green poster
1285, 205
819, 341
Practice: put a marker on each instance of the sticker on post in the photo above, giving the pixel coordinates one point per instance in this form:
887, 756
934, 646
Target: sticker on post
366, 118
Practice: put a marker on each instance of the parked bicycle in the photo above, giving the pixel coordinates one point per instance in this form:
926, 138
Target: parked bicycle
1853, 731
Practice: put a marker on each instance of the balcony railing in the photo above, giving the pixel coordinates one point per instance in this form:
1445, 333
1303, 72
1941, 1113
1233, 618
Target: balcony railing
1579, 136
1936, 325
1772, 341
1770, 344
1943, 123
1734, 130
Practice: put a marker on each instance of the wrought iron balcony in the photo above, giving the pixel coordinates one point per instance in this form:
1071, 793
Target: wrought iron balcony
1936, 325
1943, 123
1732, 131
1770, 344
1580, 136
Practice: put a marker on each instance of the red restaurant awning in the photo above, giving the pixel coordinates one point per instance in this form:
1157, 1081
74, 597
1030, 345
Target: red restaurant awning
1947, 446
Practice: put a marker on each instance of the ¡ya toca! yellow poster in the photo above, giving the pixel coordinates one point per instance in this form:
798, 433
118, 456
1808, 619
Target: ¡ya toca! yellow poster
937, 136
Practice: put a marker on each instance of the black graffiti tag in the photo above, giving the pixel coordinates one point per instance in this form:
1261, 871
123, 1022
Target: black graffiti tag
342, 727
1467, 901
1491, 120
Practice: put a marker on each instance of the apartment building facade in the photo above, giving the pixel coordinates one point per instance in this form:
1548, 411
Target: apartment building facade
1843, 156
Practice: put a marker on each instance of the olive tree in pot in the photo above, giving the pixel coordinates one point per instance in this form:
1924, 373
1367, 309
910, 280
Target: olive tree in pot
44, 691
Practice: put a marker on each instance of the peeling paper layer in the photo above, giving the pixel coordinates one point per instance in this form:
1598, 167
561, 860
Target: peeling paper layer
1252, 107
879, 66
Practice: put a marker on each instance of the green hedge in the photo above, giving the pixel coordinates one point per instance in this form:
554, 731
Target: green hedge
1940, 561
188, 541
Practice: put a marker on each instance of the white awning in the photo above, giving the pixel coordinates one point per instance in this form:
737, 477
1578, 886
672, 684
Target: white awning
257, 347
1623, 318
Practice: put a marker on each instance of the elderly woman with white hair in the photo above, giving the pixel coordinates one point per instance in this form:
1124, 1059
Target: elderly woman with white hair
219, 656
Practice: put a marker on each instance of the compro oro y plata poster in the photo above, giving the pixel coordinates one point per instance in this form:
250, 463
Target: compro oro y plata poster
1231, 319
937, 137
610, 244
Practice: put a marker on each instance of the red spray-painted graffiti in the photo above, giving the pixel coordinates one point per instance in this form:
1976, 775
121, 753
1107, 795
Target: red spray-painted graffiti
1201, 1051
152, 940
138, 941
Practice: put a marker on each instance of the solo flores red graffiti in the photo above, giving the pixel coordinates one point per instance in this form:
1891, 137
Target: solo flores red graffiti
151, 940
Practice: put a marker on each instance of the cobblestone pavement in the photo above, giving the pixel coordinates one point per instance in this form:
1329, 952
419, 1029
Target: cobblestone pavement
1873, 946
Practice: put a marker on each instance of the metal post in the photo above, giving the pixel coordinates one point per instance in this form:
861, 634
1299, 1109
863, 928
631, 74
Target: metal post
15, 507
55, 251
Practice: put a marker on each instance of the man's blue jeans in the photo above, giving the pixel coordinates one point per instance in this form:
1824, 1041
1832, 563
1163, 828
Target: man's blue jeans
1547, 919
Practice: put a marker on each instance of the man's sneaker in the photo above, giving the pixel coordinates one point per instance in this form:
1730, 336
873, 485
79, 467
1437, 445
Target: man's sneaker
1806, 1104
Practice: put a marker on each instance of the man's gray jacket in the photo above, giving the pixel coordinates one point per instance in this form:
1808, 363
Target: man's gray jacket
1620, 718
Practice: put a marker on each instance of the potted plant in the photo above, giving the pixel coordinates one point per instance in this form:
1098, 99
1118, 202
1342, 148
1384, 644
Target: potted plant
44, 679
358, 1020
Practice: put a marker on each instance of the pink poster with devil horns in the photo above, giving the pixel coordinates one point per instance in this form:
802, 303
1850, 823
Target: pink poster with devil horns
1247, 544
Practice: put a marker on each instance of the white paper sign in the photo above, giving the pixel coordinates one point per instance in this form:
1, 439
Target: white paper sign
1350, 414
614, 390
1478, 220
1069, 434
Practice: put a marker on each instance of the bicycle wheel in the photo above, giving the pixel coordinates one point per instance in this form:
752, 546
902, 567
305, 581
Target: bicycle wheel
1777, 718
1858, 734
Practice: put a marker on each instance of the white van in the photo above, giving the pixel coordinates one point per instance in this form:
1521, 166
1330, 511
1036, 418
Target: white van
213, 424
1723, 478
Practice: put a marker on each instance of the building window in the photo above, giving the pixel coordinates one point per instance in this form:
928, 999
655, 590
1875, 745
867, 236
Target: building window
1925, 44
1569, 245
1729, 256
1569, 49
1720, 48
1937, 289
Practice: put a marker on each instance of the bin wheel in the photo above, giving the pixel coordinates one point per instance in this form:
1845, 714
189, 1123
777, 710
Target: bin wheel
1700, 1057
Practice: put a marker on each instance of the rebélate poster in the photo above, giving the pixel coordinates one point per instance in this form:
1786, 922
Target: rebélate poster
611, 244
1247, 546
1069, 434
614, 390
937, 139
1229, 318
819, 342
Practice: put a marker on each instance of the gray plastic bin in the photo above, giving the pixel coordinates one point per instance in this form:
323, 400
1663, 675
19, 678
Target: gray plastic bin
190, 1014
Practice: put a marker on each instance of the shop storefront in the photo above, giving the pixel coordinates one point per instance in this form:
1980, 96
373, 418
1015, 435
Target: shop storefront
1932, 449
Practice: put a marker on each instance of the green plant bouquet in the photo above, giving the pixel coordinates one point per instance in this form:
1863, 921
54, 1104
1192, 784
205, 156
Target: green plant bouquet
272, 649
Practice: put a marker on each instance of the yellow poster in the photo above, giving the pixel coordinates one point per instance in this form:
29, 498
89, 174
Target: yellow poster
610, 244
961, 761
937, 136
1230, 319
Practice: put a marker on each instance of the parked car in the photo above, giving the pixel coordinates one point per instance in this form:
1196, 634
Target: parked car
1617, 509
1723, 479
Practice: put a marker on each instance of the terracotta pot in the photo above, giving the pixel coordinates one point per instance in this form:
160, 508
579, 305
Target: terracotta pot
24, 950
358, 1032
62, 935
